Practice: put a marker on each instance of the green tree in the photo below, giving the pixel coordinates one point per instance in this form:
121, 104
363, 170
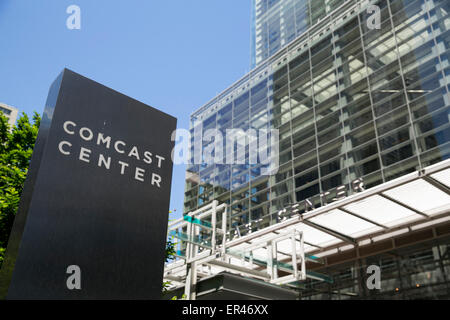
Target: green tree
16, 148
170, 253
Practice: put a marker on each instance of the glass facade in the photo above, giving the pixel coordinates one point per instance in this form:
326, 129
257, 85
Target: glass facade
419, 271
349, 102
275, 23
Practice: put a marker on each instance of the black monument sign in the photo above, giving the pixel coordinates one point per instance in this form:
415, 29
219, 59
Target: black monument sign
92, 220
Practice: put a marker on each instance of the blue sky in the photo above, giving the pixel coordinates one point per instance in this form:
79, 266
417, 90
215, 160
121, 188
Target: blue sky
174, 55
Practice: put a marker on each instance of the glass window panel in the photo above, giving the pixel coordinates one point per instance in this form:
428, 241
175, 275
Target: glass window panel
415, 58
393, 120
359, 119
367, 167
434, 121
259, 92
428, 103
329, 121
332, 166
305, 162
373, 179
399, 154
330, 135
306, 178
331, 150
281, 203
392, 102
413, 34
283, 173
285, 157
258, 213
334, 181
402, 168
281, 189
380, 48
351, 70
241, 105
303, 129
424, 86
364, 152
357, 105
307, 192
406, 8
299, 65
260, 107
434, 155
326, 108
361, 135
395, 138
435, 139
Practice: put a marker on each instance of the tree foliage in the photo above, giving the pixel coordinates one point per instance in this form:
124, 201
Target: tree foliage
16, 148
170, 254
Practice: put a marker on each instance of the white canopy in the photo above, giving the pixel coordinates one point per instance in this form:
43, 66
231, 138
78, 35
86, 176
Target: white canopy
408, 203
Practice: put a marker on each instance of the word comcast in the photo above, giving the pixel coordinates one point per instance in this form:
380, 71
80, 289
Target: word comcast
145, 157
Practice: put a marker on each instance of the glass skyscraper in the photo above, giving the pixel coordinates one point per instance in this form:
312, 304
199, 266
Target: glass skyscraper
275, 23
352, 102
349, 102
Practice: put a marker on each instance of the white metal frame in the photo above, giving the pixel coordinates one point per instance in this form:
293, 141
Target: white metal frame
239, 255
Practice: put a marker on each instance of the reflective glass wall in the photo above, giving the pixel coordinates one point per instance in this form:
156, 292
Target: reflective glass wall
418, 271
349, 103
275, 23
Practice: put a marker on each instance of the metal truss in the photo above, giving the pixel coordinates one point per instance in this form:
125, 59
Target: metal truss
278, 254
